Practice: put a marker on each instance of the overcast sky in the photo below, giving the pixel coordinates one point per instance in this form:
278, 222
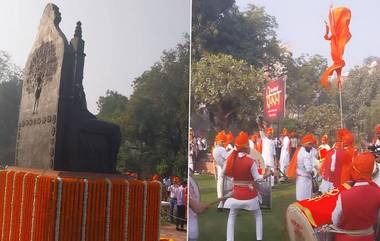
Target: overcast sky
301, 26
123, 37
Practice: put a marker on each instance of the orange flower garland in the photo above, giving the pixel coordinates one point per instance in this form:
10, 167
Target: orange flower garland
53, 206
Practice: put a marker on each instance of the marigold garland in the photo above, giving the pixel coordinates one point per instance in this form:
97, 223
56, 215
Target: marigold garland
44, 206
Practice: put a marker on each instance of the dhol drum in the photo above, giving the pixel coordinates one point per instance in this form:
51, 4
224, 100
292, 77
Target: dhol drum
306, 219
264, 188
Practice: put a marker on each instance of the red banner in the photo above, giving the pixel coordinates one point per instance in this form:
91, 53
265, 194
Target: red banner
274, 100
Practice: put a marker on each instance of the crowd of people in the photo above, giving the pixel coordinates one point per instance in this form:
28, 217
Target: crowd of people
317, 168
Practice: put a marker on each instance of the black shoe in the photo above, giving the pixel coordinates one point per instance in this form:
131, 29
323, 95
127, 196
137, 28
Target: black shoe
177, 228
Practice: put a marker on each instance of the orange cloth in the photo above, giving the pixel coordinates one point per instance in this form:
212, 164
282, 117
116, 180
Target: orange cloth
377, 129
362, 166
307, 139
339, 19
241, 142
220, 137
293, 165
348, 139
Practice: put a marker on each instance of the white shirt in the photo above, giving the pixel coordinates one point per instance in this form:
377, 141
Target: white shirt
293, 142
285, 144
220, 155
269, 150
304, 163
180, 195
173, 191
337, 213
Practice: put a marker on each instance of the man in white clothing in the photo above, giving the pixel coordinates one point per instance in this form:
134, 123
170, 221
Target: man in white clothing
304, 170
269, 149
220, 155
242, 168
285, 153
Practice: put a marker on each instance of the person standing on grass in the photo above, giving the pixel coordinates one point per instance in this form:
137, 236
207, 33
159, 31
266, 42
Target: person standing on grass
285, 153
243, 169
220, 155
268, 148
180, 194
173, 196
301, 168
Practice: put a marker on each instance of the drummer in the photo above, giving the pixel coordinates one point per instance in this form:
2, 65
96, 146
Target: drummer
352, 211
242, 168
301, 167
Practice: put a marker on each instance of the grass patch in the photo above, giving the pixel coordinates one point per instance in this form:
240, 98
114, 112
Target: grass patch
212, 224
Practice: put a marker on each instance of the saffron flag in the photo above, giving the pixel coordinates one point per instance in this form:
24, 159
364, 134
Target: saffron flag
339, 19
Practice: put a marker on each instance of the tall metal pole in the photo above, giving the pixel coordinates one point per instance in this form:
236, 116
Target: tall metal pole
340, 101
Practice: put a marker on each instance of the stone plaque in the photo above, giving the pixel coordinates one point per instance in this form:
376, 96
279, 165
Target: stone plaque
55, 129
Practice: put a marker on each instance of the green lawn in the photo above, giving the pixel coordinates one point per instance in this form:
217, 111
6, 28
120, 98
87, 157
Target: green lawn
212, 224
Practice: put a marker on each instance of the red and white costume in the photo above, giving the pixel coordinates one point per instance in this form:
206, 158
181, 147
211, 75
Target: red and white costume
245, 195
357, 209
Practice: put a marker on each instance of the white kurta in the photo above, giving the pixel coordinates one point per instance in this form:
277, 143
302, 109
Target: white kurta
193, 229
251, 205
220, 155
269, 150
284, 156
304, 183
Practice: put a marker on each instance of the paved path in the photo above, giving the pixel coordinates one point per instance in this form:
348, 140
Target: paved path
169, 231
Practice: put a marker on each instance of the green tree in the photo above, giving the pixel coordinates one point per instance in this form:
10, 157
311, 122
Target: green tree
157, 115
302, 86
112, 103
320, 120
229, 90
359, 89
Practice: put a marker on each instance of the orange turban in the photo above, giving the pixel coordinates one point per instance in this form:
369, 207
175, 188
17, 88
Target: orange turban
377, 128
269, 131
348, 139
220, 137
340, 133
155, 177
241, 141
284, 132
363, 166
229, 138
307, 139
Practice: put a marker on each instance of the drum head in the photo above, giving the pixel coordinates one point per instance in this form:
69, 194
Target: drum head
299, 228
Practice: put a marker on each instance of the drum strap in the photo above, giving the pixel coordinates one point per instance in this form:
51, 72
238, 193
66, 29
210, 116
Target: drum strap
361, 232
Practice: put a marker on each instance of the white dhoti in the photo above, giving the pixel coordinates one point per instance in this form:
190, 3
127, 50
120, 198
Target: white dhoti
304, 188
376, 178
251, 205
219, 184
284, 162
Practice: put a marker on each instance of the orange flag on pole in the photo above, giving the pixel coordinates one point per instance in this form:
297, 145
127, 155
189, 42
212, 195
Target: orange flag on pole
339, 19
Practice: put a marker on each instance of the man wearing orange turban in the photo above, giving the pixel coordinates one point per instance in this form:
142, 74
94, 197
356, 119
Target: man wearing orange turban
255, 154
285, 151
229, 140
357, 208
337, 167
243, 169
268, 148
305, 159
220, 155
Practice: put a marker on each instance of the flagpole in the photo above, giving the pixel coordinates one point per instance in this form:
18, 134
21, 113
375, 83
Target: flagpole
340, 101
